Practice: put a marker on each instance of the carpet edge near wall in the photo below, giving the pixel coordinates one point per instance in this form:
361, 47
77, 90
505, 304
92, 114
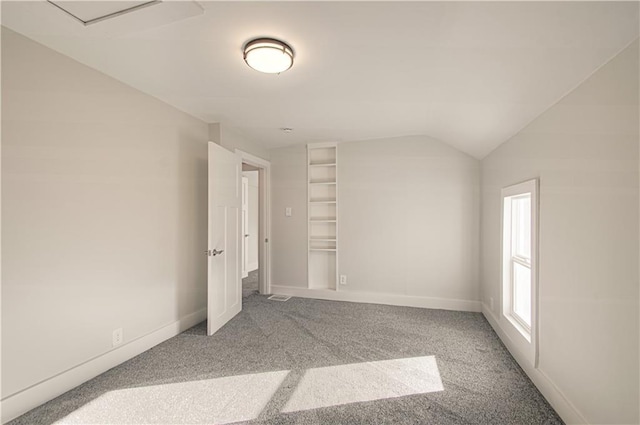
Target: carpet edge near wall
31, 397
474, 306
563, 406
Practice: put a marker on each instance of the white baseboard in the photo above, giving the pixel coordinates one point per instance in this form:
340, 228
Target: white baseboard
31, 397
567, 411
379, 298
252, 266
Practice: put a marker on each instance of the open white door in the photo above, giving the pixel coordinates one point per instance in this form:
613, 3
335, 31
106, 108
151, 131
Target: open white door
245, 227
224, 295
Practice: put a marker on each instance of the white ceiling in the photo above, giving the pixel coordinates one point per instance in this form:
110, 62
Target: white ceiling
89, 11
471, 74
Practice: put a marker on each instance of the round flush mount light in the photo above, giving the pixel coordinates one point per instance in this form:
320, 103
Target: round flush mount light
268, 55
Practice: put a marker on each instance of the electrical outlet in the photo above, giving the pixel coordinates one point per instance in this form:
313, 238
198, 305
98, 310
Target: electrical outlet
343, 279
287, 212
117, 337
491, 303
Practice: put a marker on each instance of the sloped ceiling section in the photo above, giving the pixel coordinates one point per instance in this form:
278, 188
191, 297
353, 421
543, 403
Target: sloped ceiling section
471, 74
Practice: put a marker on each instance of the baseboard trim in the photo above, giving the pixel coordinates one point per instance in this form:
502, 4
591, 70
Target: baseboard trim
379, 298
21, 402
567, 411
252, 266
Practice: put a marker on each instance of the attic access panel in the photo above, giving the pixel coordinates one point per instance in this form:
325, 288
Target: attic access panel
90, 12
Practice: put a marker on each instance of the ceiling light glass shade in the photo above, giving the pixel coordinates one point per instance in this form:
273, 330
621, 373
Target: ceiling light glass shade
268, 55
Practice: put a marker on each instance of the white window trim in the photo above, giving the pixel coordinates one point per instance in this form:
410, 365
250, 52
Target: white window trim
523, 327
524, 339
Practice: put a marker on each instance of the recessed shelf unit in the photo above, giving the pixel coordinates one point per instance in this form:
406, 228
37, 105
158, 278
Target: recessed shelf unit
322, 165
322, 191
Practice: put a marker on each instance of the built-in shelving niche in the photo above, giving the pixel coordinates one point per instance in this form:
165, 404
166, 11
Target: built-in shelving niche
322, 189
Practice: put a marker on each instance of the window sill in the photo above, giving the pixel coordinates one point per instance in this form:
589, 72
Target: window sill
526, 334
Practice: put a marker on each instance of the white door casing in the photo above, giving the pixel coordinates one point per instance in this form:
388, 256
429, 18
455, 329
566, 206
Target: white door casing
224, 284
264, 226
245, 227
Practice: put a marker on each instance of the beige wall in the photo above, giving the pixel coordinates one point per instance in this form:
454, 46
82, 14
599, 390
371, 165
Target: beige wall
408, 214
585, 152
229, 138
104, 209
289, 234
408, 218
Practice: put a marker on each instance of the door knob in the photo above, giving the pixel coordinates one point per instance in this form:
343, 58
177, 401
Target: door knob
213, 253
246, 236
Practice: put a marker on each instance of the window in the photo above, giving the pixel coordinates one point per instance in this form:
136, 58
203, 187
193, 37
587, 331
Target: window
519, 248
520, 259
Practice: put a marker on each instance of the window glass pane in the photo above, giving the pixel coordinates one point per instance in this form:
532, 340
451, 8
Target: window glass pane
522, 292
521, 226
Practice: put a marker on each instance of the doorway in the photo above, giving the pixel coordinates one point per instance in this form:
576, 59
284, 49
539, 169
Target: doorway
250, 227
255, 225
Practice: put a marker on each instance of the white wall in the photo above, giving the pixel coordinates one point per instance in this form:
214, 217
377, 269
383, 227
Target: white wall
229, 138
254, 213
585, 152
408, 218
408, 215
289, 234
104, 194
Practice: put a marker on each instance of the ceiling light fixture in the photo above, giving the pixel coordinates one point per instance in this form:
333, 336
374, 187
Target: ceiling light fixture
268, 55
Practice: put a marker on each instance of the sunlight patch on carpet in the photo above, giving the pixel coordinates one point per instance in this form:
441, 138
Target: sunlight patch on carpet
220, 401
352, 383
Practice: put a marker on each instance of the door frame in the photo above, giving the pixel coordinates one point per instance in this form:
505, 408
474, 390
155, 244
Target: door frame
264, 218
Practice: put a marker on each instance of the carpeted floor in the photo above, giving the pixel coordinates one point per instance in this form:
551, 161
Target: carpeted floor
315, 362
250, 284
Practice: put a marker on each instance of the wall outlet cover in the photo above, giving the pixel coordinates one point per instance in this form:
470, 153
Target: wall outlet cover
117, 337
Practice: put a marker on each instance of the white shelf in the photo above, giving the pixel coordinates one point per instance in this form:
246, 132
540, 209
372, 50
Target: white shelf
322, 202
322, 191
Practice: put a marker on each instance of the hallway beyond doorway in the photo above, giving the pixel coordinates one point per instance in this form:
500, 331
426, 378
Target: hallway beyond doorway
250, 284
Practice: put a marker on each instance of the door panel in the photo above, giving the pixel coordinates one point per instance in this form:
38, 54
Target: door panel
233, 266
218, 266
245, 227
224, 288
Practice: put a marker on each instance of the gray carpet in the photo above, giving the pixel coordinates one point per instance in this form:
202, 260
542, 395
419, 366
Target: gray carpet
250, 284
315, 362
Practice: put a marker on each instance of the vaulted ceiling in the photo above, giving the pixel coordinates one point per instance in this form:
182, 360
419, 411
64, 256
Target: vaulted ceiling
471, 74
